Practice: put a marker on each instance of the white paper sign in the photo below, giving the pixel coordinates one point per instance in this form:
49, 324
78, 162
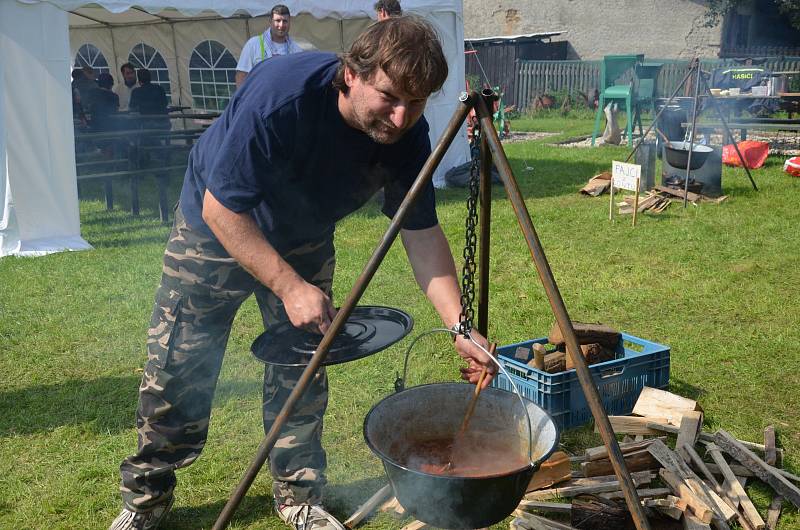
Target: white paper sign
625, 176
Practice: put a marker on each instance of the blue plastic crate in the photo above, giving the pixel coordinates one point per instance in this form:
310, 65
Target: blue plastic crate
619, 381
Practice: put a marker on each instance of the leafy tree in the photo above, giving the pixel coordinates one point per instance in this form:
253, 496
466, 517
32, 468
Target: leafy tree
717, 9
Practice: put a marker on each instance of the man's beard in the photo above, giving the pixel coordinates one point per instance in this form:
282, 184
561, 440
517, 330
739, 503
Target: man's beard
382, 133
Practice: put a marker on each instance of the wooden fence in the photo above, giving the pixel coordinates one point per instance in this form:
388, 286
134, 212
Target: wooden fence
534, 78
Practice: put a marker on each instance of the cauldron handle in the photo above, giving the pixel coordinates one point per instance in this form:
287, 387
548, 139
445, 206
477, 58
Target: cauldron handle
400, 382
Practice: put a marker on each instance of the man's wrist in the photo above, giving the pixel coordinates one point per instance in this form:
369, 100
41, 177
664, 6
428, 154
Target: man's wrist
455, 329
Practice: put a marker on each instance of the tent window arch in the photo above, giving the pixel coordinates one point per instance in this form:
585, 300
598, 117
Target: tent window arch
212, 74
90, 55
144, 56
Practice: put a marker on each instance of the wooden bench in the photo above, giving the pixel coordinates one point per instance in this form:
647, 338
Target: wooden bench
142, 159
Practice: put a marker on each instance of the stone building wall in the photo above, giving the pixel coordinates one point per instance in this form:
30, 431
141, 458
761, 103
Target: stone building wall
664, 29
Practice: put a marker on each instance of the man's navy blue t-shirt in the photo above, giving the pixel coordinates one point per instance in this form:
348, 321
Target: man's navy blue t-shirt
282, 151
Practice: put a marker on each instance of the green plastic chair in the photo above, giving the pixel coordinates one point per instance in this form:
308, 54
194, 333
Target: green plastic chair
611, 69
646, 84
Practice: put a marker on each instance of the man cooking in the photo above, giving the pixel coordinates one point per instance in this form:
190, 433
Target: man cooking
308, 139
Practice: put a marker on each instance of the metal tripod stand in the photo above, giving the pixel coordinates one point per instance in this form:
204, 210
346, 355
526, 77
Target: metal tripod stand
490, 148
699, 77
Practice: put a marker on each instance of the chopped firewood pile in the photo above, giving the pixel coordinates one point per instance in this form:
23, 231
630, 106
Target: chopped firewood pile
699, 483
654, 201
598, 344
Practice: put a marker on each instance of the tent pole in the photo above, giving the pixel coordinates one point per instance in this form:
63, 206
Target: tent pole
177, 67
114, 50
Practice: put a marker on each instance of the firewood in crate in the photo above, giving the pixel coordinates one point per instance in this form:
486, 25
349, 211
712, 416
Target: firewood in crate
553, 362
591, 512
593, 353
588, 334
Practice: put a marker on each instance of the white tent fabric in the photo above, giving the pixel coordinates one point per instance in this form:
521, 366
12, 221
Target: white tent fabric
38, 190
174, 27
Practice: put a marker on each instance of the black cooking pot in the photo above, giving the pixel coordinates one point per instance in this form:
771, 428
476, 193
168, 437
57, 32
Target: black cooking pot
678, 154
435, 411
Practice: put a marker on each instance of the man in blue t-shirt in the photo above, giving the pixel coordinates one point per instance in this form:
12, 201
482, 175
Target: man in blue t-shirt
308, 139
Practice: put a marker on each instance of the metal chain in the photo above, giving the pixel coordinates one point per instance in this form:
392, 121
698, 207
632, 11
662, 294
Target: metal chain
470, 241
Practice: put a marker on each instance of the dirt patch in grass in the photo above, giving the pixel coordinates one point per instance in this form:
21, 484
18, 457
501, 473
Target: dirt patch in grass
524, 136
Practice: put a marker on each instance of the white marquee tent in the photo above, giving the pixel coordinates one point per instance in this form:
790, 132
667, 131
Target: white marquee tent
38, 44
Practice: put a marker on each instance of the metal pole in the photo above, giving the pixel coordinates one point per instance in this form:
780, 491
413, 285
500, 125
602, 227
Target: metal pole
728, 132
485, 230
425, 175
658, 114
691, 134
560, 311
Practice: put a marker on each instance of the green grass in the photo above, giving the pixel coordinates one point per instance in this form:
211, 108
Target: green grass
718, 283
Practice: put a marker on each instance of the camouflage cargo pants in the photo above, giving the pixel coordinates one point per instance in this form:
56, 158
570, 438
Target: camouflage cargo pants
201, 289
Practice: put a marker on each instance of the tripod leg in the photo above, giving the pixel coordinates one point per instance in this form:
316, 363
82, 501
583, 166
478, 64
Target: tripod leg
564, 322
658, 114
692, 134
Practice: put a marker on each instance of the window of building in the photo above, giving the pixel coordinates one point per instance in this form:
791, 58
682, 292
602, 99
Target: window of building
90, 55
144, 56
212, 74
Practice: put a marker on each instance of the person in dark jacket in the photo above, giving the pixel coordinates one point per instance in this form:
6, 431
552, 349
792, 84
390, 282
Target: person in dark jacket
149, 98
103, 104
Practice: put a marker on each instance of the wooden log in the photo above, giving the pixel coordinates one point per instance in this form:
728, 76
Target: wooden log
670, 506
664, 427
761, 469
594, 485
668, 407
739, 471
770, 449
538, 356
631, 425
530, 521
674, 464
691, 522
691, 457
698, 506
774, 512
554, 470
415, 525
736, 490
555, 362
636, 461
393, 507
692, 197
601, 452
643, 493
547, 507
587, 334
593, 353
365, 509
690, 427
771, 458
590, 512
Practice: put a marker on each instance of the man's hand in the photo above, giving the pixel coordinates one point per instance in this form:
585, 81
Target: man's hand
476, 359
308, 307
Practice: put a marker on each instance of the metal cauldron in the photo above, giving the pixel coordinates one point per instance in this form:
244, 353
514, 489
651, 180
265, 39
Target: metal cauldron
678, 154
435, 411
